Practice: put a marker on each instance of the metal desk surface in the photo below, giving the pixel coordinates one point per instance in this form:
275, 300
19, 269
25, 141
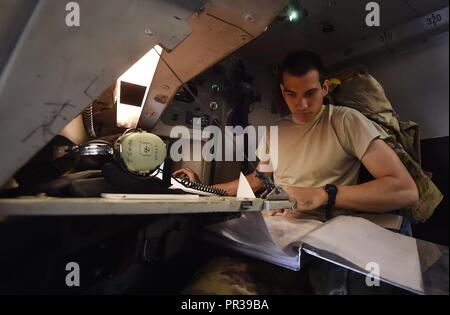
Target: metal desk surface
37, 206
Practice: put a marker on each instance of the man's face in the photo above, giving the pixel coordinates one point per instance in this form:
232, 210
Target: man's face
303, 95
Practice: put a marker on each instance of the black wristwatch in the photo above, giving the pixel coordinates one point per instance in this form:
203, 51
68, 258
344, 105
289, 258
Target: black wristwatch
332, 192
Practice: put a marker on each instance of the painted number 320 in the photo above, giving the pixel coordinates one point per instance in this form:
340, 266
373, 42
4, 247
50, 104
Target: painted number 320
434, 19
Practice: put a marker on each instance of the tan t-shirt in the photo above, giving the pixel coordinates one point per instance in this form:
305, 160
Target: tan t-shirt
326, 150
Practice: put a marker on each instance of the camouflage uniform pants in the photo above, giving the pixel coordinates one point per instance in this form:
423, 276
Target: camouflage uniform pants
239, 275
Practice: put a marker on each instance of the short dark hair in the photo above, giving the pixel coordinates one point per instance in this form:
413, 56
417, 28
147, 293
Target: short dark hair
300, 63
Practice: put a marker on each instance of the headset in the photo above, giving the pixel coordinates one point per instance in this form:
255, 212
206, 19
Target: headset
136, 151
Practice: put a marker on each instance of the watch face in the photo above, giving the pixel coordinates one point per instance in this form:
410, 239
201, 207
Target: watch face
331, 188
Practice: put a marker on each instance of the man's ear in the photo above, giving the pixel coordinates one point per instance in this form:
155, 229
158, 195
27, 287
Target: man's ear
325, 87
281, 88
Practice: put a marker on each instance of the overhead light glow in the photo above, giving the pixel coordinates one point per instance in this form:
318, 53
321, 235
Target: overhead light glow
137, 78
293, 16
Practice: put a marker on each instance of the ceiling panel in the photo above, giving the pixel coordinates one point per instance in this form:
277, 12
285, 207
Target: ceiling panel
348, 19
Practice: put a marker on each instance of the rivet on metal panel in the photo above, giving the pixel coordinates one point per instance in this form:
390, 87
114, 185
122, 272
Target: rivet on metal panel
250, 18
244, 38
160, 98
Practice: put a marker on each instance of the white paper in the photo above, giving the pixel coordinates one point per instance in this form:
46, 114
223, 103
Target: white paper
249, 235
361, 242
150, 196
244, 189
287, 231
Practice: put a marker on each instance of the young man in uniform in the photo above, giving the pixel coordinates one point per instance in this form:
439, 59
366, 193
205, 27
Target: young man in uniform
320, 152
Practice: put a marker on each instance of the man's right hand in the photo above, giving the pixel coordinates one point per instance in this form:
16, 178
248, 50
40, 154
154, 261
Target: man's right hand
187, 173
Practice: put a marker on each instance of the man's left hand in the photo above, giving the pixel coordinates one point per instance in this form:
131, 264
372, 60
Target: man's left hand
307, 198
